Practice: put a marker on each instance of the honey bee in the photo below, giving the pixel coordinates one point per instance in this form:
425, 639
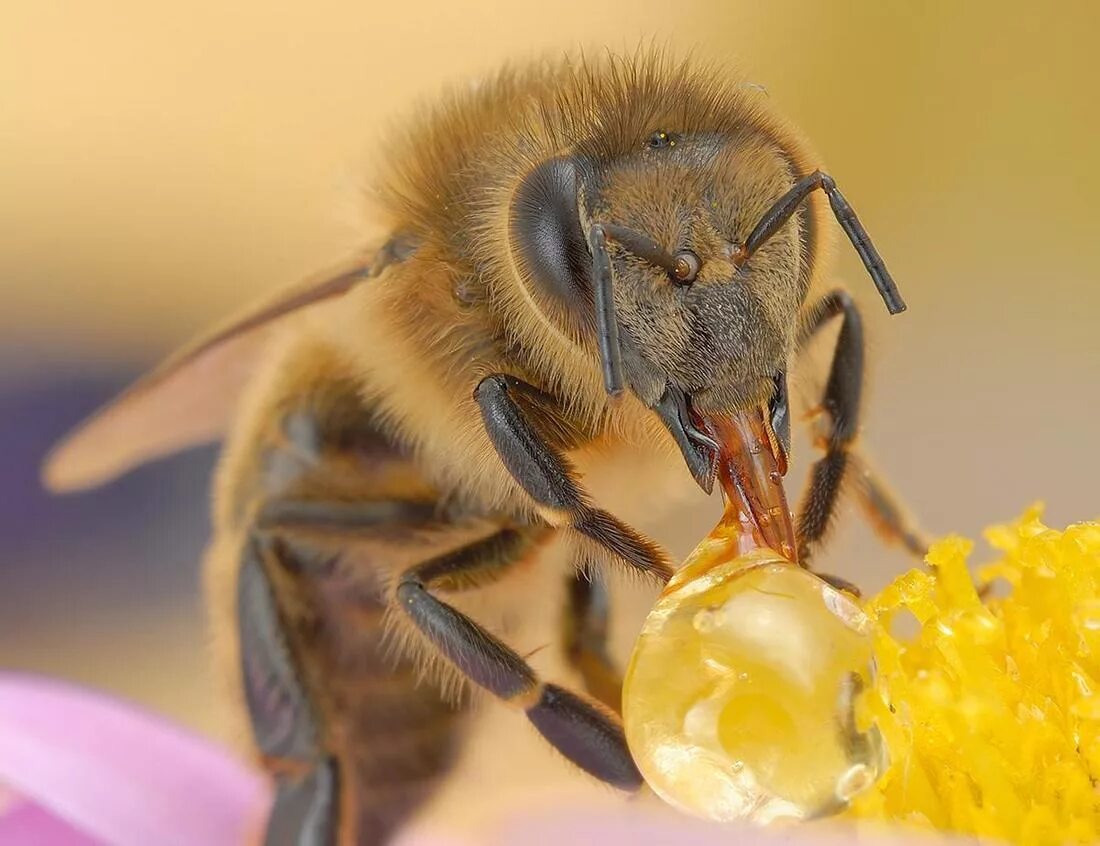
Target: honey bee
585, 255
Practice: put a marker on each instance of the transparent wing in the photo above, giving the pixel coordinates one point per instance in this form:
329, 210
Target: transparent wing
188, 400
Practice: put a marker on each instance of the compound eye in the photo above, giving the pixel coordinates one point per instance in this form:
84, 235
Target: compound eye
685, 268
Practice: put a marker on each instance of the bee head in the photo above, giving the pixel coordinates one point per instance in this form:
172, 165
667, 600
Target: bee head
686, 262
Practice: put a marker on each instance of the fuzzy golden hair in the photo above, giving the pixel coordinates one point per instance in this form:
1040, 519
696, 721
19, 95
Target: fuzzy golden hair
455, 169
393, 345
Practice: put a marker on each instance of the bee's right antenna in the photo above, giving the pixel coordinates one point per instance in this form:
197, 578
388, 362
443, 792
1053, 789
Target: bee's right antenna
607, 327
786, 205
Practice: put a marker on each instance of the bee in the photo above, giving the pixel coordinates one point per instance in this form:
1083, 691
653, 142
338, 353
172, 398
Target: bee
584, 256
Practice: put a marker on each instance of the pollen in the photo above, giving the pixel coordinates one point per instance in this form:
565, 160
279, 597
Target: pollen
991, 710
758, 692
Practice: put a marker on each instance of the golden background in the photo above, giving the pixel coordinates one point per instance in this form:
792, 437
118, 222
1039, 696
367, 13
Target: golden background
162, 163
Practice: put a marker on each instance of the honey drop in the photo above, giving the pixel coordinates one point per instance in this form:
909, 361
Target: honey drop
741, 698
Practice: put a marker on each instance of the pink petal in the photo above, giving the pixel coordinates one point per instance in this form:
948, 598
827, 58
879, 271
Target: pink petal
118, 775
649, 827
90, 771
26, 824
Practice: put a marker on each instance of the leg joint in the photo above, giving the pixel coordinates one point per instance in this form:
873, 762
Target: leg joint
492, 388
844, 301
410, 588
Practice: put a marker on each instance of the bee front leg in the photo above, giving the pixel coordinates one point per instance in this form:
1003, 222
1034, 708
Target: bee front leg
586, 733
841, 402
548, 478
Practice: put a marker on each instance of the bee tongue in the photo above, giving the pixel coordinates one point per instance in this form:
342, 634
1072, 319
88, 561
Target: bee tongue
752, 481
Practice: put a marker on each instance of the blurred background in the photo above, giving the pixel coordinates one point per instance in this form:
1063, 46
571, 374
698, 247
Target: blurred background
161, 164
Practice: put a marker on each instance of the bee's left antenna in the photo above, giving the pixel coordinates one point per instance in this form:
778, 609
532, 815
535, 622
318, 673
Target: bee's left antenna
607, 327
845, 215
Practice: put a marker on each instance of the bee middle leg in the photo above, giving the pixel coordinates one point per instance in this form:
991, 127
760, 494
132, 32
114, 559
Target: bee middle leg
584, 635
841, 402
586, 733
508, 408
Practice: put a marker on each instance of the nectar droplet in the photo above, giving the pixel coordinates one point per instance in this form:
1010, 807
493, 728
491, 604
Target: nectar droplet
742, 698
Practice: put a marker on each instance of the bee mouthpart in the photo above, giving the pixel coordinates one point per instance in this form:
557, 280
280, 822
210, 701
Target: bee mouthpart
750, 466
699, 449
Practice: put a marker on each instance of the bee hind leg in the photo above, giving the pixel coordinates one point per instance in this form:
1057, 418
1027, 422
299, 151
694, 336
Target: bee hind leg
841, 402
284, 721
588, 734
509, 406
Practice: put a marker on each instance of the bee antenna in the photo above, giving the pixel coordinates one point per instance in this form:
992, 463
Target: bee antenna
607, 327
845, 215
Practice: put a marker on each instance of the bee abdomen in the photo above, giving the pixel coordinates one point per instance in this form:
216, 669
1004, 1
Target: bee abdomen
398, 736
339, 509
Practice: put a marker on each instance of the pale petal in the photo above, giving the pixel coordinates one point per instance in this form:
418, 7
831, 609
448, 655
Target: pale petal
119, 775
